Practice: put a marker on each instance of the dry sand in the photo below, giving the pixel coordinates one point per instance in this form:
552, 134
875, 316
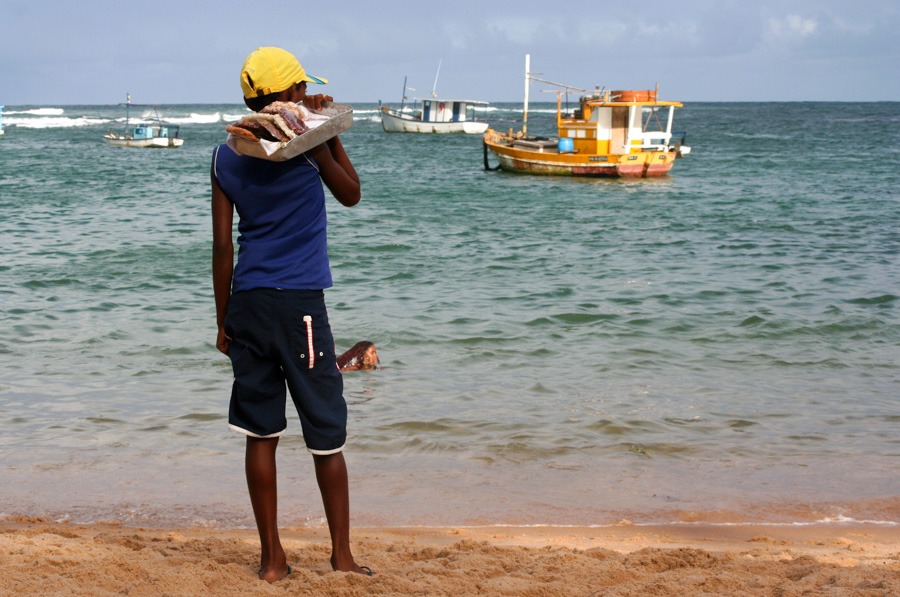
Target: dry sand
40, 557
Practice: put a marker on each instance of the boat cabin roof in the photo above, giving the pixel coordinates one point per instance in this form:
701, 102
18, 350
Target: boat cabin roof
453, 101
624, 98
651, 104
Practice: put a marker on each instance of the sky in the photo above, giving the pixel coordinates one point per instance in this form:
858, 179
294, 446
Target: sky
69, 52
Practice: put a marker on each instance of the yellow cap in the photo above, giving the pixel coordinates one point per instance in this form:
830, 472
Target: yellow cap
271, 70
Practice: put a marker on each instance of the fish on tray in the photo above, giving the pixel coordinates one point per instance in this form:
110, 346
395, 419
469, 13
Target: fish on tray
279, 122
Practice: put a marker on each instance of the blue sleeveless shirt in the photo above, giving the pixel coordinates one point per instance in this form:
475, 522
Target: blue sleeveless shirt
282, 227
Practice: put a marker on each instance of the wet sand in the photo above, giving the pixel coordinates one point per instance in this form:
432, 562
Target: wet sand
48, 558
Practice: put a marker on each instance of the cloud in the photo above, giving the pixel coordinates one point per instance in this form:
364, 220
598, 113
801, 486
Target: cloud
518, 30
791, 29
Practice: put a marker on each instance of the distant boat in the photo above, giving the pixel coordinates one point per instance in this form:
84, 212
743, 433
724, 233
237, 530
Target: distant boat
143, 134
435, 115
610, 134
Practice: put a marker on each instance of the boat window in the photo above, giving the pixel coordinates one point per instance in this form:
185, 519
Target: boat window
652, 121
655, 133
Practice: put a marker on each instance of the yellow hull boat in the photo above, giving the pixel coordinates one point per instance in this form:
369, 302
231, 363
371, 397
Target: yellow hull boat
610, 134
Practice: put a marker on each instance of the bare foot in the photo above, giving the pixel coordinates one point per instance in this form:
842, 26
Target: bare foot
271, 576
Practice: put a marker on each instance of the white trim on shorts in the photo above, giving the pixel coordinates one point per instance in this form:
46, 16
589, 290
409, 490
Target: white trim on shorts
256, 435
325, 452
279, 434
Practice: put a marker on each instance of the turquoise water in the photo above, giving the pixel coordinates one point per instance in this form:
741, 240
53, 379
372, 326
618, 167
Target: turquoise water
720, 345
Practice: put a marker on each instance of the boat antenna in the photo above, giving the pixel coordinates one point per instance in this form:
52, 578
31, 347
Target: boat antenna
434, 88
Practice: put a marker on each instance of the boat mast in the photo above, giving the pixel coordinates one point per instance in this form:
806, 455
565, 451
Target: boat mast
434, 88
127, 109
525, 109
403, 96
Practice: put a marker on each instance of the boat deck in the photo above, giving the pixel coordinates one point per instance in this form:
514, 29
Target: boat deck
539, 145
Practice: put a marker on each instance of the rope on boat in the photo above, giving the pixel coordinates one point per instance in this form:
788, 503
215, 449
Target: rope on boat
484, 149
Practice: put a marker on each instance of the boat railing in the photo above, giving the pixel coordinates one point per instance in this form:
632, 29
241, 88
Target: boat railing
655, 141
661, 140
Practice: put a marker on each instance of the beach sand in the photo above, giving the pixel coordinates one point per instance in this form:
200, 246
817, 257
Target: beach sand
42, 557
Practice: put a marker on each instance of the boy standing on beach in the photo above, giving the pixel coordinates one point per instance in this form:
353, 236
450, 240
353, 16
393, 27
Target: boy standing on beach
270, 308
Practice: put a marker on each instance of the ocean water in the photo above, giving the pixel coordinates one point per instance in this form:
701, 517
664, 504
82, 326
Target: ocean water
721, 345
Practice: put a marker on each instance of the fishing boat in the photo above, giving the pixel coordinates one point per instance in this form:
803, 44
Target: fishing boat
435, 115
143, 134
626, 133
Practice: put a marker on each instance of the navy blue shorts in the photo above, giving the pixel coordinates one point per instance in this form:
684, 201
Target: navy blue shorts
283, 337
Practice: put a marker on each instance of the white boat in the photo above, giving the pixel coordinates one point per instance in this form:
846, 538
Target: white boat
435, 115
144, 134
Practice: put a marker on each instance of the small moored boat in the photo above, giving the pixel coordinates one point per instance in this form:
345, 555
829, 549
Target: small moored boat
144, 134
435, 115
610, 134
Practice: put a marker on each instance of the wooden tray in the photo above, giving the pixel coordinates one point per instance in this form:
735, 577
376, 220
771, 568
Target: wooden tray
340, 118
